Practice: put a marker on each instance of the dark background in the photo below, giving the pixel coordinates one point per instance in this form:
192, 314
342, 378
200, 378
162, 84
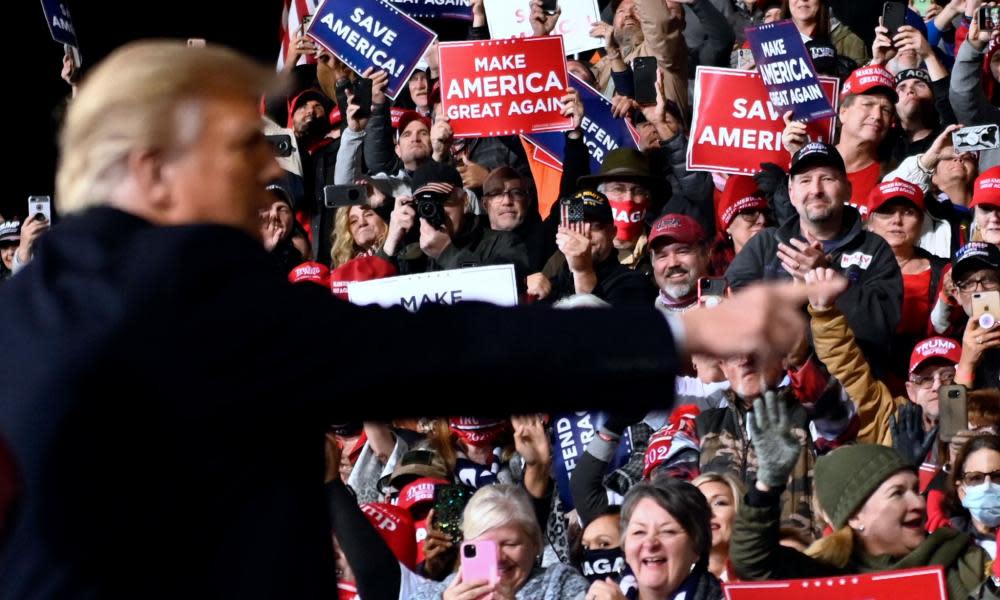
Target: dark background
36, 94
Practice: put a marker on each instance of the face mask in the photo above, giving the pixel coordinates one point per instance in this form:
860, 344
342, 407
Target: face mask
983, 502
597, 565
628, 219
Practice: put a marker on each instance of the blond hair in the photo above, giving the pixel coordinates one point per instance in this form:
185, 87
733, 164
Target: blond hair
497, 506
144, 97
834, 549
342, 246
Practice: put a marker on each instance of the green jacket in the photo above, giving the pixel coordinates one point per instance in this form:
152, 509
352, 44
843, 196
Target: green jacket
756, 554
848, 44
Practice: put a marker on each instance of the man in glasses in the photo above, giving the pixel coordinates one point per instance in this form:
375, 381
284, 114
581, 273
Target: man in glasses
976, 272
880, 416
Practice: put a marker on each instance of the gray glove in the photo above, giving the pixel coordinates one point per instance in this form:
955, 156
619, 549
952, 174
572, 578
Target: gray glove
777, 448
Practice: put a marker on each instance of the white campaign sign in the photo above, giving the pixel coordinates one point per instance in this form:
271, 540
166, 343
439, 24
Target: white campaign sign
494, 284
509, 18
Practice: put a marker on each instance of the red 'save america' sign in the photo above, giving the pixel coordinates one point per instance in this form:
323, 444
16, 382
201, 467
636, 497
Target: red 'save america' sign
504, 87
735, 127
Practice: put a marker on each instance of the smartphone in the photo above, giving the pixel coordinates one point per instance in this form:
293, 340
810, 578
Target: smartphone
986, 308
340, 91
711, 291
570, 211
893, 17
953, 411
282, 144
549, 6
976, 137
335, 196
988, 18
922, 6
305, 24
449, 503
363, 98
480, 561
744, 59
40, 205
644, 79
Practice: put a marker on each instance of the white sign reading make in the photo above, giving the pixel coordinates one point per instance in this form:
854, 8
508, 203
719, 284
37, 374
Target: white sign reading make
494, 284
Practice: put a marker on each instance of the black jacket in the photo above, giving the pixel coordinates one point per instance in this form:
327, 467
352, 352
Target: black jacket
166, 394
872, 303
616, 284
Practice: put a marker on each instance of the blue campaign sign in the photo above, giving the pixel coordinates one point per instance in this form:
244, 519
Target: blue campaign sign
601, 131
59, 21
571, 432
436, 9
787, 71
372, 33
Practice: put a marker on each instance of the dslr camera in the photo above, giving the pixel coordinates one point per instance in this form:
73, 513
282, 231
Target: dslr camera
429, 206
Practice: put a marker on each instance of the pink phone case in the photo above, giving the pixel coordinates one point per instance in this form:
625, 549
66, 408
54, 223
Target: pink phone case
480, 561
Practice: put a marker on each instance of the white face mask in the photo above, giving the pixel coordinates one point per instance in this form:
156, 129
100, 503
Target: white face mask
983, 502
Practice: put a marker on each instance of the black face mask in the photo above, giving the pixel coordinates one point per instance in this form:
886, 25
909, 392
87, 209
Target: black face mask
346, 429
598, 565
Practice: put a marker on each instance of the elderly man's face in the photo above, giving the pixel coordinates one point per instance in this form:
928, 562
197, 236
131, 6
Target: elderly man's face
506, 207
221, 177
867, 117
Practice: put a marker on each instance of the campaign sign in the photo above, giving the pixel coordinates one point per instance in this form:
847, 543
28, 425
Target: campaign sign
787, 71
436, 9
924, 583
602, 132
735, 127
571, 432
59, 21
495, 284
504, 87
510, 18
372, 33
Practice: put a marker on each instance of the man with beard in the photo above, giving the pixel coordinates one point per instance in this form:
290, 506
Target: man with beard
829, 234
725, 443
919, 120
645, 28
679, 253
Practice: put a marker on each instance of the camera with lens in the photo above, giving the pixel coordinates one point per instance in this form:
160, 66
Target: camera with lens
282, 144
429, 206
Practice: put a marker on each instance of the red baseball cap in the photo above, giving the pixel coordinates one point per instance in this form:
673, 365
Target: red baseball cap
310, 271
362, 268
395, 525
935, 347
740, 194
891, 190
868, 80
680, 228
987, 188
418, 492
408, 117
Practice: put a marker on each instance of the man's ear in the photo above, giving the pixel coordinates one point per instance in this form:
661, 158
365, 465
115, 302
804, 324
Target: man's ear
152, 176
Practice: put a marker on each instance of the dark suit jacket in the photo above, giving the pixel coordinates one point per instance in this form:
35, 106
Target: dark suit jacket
165, 394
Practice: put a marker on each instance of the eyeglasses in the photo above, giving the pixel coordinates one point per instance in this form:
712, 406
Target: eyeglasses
986, 284
515, 194
977, 478
926, 382
753, 215
620, 189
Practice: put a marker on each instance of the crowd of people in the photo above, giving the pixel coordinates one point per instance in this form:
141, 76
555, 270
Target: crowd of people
830, 459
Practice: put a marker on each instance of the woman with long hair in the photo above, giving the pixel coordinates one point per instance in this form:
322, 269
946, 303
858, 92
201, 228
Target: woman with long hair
813, 20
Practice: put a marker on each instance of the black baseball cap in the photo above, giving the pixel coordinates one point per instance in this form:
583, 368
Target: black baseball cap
817, 154
596, 207
972, 257
434, 172
920, 74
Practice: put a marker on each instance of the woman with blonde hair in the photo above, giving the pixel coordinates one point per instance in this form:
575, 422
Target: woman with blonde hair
724, 493
358, 230
871, 496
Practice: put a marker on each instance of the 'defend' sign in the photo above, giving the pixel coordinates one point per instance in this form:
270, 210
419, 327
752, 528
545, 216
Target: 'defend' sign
372, 33
735, 127
504, 87
787, 71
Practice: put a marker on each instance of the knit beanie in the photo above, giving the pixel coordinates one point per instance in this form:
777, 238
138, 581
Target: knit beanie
846, 477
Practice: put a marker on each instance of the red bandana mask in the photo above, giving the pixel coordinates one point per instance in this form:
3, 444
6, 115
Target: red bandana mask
628, 215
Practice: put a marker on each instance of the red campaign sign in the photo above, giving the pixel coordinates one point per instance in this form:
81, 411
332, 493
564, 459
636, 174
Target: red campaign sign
504, 87
735, 127
924, 583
